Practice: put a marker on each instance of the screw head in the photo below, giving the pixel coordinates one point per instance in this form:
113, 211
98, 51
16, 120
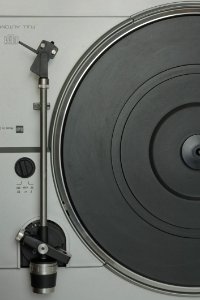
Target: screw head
42, 45
43, 248
53, 51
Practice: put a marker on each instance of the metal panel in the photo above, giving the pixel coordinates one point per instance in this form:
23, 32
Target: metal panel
77, 8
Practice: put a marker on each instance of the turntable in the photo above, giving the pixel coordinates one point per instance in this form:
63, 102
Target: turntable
100, 166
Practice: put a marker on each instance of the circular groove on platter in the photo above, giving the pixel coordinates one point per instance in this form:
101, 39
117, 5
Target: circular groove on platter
130, 192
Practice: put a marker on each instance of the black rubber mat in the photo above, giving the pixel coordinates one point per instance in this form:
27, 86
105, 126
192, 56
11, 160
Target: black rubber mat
123, 160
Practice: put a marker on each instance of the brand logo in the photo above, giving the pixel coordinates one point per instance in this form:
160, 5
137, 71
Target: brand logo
19, 129
11, 39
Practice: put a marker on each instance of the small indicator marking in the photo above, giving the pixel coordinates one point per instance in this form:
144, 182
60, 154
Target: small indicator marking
19, 129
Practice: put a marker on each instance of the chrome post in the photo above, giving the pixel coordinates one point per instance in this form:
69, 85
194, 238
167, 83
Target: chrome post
43, 86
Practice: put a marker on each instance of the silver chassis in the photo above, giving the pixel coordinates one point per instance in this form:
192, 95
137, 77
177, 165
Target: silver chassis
61, 109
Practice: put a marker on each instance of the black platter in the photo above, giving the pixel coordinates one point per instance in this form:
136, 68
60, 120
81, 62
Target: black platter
130, 151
